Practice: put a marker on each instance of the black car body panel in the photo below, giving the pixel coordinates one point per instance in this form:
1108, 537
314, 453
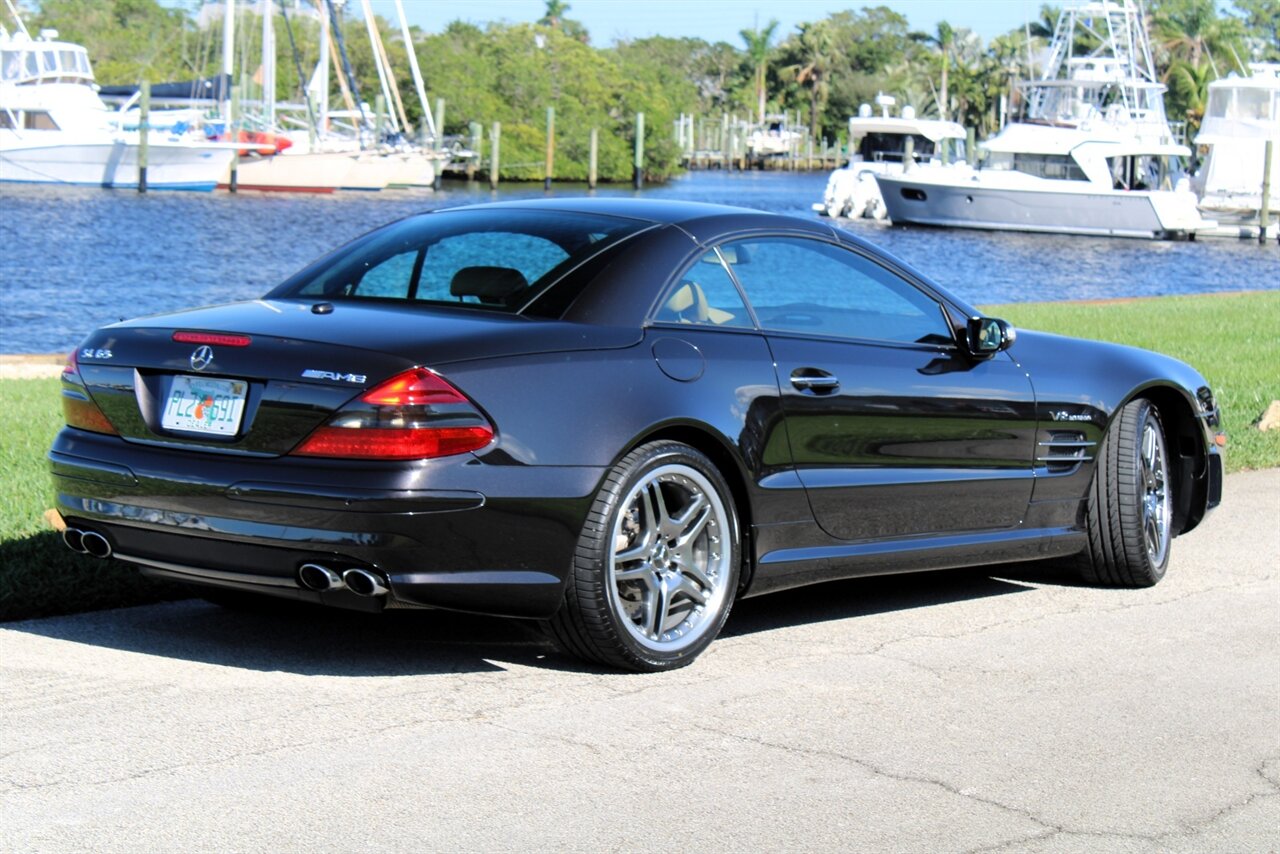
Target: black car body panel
920, 456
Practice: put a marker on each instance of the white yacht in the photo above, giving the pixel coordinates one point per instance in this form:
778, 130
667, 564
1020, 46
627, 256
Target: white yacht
882, 150
1094, 153
776, 137
1243, 113
55, 129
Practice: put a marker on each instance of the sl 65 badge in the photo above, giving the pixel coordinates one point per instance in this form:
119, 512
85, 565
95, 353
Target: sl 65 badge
90, 353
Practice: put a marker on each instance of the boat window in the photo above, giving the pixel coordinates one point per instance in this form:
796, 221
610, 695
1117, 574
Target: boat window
31, 65
492, 259
1056, 167
891, 147
6, 119
50, 60
39, 120
815, 288
1254, 104
67, 59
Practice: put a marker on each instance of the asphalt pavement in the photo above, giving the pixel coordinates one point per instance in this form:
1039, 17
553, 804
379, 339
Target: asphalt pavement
1001, 709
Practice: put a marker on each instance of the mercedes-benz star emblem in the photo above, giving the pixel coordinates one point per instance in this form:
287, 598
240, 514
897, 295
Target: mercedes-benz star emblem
201, 358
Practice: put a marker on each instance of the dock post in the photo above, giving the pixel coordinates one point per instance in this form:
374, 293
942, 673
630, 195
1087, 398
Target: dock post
908, 153
495, 137
593, 155
639, 165
439, 118
477, 141
144, 131
551, 148
379, 111
1264, 210
234, 135
971, 146
726, 144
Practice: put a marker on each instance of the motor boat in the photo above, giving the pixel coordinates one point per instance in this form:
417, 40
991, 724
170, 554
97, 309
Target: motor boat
1242, 114
54, 128
882, 149
1093, 153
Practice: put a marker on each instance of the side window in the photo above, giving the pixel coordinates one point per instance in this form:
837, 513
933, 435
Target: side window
390, 279
705, 295
815, 288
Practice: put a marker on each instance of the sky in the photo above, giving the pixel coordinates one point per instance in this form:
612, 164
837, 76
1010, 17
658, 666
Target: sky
713, 20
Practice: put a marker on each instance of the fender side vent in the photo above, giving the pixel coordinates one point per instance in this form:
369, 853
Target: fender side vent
1063, 450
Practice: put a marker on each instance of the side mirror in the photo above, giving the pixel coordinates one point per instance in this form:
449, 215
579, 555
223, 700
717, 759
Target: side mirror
987, 336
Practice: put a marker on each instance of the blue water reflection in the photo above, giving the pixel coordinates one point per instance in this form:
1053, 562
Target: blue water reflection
76, 258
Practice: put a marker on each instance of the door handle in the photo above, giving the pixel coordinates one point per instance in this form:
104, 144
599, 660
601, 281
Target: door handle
814, 380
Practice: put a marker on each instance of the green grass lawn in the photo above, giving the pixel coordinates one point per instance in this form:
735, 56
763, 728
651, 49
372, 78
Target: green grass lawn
1233, 340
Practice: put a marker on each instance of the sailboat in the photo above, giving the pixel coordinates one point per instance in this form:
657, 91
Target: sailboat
1094, 153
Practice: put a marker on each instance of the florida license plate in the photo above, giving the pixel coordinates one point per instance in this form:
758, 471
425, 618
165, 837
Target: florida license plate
203, 405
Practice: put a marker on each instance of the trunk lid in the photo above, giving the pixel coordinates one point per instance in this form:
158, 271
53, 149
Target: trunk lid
299, 365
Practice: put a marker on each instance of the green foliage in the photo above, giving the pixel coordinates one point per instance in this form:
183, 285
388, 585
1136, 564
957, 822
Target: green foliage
512, 72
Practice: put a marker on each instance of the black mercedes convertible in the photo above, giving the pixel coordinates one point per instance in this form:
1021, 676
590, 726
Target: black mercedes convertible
616, 417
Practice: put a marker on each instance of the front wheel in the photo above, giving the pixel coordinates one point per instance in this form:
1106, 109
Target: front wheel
1129, 514
657, 563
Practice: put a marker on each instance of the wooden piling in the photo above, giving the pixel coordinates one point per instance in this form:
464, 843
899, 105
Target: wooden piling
233, 115
639, 164
439, 119
908, 153
593, 154
1264, 210
495, 137
971, 146
379, 111
144, 132
477, 142
551, 148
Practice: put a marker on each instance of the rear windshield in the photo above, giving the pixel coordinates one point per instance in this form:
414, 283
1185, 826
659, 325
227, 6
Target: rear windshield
493, 260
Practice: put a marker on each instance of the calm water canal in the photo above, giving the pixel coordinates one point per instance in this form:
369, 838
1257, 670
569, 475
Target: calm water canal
76, 258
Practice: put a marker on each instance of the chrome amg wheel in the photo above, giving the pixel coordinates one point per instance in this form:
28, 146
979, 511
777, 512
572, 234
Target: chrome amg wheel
1157, 500
657, 563
668, 564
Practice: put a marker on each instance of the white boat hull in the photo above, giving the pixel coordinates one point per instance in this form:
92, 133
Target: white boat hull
113, 164
315, 172
1089, 211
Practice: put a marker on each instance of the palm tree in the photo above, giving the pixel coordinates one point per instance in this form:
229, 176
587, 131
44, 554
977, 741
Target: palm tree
554, 14
943, 39
757, 42
1191, 31
816, 53
1189, 92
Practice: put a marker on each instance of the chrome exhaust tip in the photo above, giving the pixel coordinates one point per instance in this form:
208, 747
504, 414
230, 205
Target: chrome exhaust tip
313, 576
95, 544
362, 582
74, 538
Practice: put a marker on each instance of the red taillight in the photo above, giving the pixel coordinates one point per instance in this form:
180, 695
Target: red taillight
417, 387
219, 338
78, 409
394, 443
415, 415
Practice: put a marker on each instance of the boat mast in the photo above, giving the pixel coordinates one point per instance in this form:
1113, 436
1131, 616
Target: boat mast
375, 44
228, 58
417, 72
22, 28
268, 64
346, 67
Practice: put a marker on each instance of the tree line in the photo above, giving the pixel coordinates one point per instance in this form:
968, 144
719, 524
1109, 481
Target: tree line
510, 72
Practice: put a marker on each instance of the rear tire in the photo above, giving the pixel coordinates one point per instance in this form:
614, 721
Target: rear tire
657, 563
1129, 511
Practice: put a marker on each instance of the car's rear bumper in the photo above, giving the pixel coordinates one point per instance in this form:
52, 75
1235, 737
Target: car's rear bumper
452, 533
